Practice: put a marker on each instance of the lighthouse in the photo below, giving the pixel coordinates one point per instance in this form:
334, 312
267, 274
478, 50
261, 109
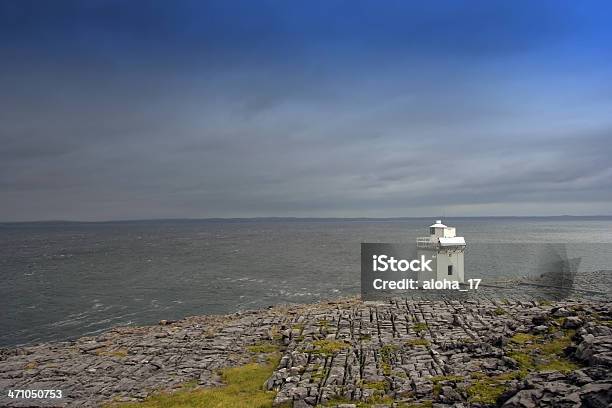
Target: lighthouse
446, 249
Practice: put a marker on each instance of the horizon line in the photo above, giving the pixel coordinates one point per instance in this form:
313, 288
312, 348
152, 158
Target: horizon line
287, 218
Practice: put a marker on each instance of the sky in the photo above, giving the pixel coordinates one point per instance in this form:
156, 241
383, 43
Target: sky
194, 109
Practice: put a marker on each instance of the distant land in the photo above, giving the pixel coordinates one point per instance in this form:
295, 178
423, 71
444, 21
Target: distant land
313, 219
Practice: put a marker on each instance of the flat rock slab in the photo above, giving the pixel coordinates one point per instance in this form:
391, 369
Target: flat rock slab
130, 363
336, 353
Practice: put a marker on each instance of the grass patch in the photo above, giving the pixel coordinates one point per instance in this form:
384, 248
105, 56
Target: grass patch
208, 333
318, 375
324, 323
376, 385
385, 357
424, 404
328, 347
562, 365
557, 346
440, 378
264, 347
524, 360
120, 352
387, 350
376, 400
243, 389
275, 333
436, 380
485, 391
559, 320
499, 311
417, 342
533, 354
419, 327
371, 402
522, 338
536, 353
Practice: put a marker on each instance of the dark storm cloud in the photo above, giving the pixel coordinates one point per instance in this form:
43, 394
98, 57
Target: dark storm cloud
204, 109
196, 27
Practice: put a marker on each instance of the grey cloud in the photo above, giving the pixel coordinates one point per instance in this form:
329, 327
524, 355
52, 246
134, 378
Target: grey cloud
297, 145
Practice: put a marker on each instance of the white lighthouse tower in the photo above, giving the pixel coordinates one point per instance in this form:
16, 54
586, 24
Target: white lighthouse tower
446, 249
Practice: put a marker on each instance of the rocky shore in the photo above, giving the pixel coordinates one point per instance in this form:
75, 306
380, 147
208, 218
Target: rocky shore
346, 353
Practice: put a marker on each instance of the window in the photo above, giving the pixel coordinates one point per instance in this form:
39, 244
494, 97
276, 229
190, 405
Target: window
450, 269
432, 230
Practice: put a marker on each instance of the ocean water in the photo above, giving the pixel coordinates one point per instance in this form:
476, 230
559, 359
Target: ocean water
64, 280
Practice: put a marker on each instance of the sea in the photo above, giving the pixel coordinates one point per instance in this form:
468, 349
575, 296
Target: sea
63, 280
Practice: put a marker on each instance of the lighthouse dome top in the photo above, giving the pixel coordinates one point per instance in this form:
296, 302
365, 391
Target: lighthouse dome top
438, 224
